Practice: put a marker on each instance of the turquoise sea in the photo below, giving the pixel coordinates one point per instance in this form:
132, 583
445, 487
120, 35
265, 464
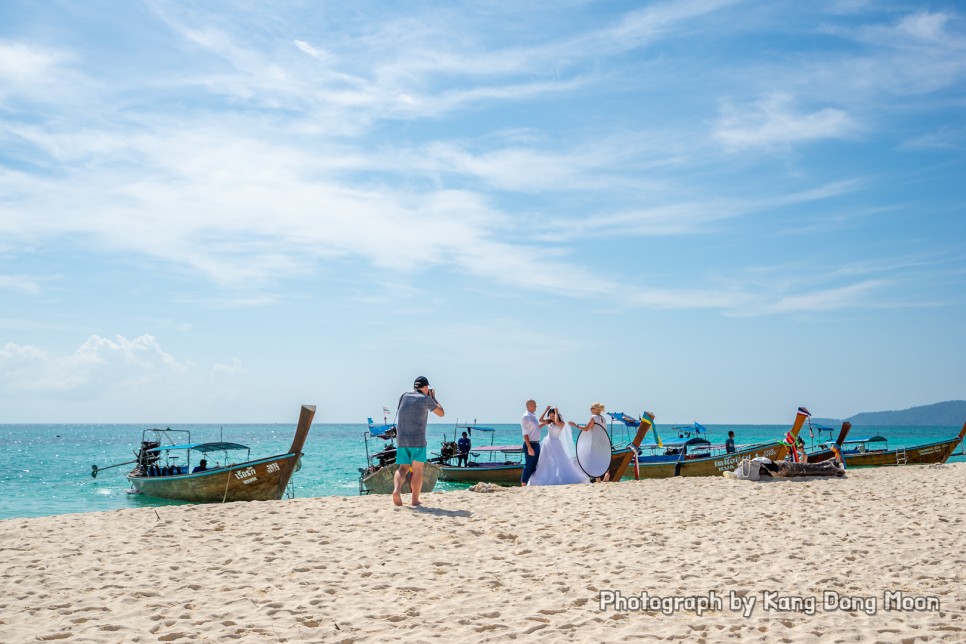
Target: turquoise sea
46, 469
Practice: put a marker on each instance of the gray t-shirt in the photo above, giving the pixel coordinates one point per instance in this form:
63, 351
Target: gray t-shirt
411, 419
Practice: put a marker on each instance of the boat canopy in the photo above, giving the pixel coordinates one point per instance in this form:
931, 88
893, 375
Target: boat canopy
202, 447
690, 442
820, 427
509, 449
627, 419
873, 439
379, 430
695, 427
475, 428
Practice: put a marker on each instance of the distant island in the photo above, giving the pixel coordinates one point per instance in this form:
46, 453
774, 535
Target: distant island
951, 413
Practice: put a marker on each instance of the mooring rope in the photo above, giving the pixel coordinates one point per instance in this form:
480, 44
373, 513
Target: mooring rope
227, 481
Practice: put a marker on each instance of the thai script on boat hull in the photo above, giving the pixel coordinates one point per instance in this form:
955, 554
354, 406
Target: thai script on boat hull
731, 461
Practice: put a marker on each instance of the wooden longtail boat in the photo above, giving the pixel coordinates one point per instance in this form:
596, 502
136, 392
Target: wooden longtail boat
862, 452
509, 474
263, 479
715, 465
377, 476
380, 481
504, 466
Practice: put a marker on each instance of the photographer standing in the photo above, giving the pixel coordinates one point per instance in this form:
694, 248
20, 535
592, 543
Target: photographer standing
412, 413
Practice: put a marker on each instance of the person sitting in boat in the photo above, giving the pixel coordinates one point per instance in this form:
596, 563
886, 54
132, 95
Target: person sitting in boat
463, 445
201, 467
730, 443
800, 444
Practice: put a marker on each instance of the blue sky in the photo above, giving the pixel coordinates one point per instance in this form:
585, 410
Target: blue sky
714, 210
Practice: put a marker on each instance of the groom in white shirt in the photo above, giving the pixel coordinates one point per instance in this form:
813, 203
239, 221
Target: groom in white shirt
531, 441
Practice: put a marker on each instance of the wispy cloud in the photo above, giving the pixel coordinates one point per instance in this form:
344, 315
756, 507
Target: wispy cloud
235, 368
946, 138
284, 153
823, 300
19, 284
28, 71
99, 361
774, 123
687, 218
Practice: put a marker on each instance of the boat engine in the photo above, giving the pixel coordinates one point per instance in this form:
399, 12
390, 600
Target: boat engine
447, 451
386, 457
146, 457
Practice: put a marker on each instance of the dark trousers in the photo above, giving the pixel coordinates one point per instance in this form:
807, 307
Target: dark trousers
462, 460
530, 462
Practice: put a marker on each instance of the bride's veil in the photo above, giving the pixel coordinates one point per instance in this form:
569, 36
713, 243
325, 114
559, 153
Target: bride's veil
567, 438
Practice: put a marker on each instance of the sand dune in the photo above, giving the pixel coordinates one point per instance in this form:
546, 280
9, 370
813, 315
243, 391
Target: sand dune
517, 564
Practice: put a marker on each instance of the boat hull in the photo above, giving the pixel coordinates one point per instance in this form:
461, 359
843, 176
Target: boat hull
818, 457
506, 475
381, 481
710, 466
261, 480
918, 455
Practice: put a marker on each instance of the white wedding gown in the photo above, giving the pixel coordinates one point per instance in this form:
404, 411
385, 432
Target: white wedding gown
557, 464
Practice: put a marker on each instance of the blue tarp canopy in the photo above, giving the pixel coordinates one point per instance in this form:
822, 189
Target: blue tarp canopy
627, 419
202, 447
695, 427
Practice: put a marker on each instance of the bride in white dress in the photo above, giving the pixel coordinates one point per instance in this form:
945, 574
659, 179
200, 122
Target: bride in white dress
558, 463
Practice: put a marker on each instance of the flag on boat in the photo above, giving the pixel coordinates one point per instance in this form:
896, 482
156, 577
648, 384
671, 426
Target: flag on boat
657, 439
802, 410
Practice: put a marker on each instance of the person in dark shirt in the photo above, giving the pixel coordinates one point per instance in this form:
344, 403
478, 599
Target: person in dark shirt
411, 414
730, 443
201, 467
463, 447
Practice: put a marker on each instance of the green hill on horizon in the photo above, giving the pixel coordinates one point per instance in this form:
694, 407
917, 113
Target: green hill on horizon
951, 413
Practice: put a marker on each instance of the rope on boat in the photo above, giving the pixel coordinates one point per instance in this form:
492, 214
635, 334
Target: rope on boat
227, 481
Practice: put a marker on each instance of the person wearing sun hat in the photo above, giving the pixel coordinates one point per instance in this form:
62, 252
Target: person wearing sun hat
411, 415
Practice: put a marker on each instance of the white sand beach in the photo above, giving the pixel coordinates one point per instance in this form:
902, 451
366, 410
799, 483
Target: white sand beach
518, 564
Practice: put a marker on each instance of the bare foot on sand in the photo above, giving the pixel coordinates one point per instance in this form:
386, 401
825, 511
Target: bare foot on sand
416, 504
396, 498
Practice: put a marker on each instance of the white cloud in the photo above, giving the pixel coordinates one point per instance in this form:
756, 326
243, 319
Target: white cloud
306, 48
21, 63
915, 55
233, 369
946, 138
831, 299
926, 27
20, 284
685, 218
98, 362
268, 170
774, 123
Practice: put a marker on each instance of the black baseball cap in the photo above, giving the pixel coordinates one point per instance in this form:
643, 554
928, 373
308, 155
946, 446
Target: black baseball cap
420, 382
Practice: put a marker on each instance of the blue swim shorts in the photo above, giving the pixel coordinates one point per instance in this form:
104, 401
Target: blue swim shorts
410, 455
